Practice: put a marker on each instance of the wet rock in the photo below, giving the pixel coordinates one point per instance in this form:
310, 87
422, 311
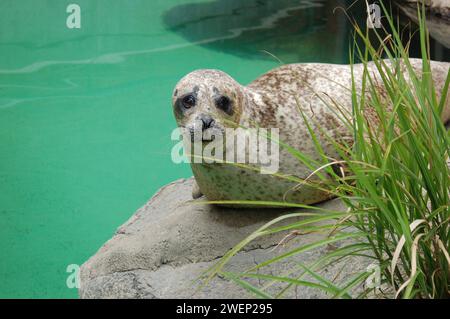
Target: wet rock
437, 17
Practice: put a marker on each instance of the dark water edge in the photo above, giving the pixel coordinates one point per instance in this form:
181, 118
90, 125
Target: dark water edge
292, 31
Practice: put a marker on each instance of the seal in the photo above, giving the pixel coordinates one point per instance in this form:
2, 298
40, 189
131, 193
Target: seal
284, 98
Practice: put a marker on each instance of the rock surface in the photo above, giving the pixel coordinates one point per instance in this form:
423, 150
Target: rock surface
437, 17
169, 242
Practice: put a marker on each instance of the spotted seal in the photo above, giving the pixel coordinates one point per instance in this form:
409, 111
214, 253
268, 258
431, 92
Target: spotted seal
282, 98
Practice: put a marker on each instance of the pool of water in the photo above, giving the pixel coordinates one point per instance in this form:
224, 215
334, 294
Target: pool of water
85, 115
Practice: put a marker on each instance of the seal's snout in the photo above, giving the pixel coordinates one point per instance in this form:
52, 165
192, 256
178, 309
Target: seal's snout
204, 128
206, 121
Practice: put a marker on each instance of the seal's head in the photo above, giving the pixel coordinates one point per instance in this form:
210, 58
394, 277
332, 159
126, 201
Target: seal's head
205, 102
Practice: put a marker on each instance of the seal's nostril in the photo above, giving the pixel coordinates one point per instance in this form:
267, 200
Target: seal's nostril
207, 121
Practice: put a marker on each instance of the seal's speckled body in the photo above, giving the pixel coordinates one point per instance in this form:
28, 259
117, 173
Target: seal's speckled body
272, 101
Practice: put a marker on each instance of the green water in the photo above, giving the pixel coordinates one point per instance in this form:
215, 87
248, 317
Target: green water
85, 115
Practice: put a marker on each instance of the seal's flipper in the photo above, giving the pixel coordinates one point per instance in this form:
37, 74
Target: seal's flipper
196, 192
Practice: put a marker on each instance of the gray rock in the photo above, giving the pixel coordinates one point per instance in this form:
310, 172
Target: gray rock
169, 242
437, 18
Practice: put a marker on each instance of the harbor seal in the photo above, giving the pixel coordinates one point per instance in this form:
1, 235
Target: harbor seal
276, 99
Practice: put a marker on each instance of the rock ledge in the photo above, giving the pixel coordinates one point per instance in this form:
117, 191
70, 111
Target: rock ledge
171, 240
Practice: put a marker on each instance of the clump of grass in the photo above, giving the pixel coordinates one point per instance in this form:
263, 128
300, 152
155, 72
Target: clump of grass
396, 183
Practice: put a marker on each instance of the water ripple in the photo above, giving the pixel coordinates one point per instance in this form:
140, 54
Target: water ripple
113, 58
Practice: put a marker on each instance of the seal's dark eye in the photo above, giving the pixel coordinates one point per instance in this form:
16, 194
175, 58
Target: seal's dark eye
188, 101
223, 103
